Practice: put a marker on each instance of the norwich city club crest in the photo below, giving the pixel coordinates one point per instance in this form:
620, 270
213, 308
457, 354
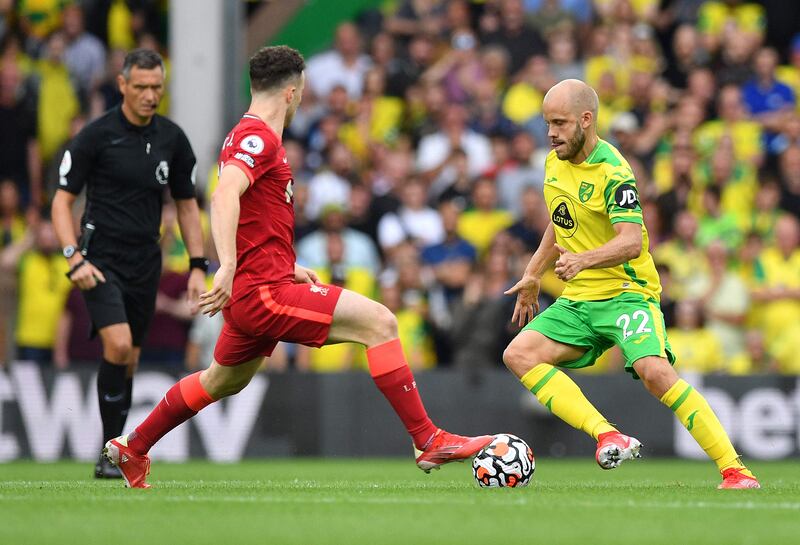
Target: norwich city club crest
585, 191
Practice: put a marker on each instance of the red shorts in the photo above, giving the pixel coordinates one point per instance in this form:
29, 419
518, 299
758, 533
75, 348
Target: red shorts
297, 313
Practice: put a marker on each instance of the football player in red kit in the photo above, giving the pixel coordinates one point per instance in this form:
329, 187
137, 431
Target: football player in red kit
265, 297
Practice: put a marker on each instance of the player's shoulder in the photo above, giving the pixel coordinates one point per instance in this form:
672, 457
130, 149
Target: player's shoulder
611, 161
254, 136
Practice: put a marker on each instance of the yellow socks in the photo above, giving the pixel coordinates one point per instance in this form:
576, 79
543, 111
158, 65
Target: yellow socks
561, 395
696, 415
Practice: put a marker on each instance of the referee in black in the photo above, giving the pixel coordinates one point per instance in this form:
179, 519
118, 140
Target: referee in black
126, 159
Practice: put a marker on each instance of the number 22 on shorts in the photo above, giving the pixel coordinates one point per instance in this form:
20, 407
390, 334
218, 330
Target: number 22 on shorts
624, 321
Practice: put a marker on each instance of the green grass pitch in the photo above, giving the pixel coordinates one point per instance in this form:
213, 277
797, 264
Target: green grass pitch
380, 502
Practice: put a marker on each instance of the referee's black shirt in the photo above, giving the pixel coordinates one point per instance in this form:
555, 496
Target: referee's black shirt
125, 169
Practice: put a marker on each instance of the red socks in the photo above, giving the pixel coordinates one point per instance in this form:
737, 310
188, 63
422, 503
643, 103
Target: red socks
387, 365
392, 376
184, 400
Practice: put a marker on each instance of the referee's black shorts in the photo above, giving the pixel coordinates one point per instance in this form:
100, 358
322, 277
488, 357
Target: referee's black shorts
129, 293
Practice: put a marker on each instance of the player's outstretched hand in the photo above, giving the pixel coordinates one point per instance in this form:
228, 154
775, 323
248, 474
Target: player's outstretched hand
87, 276
568, 264
527, 305
304, 276
195, 286
215, 300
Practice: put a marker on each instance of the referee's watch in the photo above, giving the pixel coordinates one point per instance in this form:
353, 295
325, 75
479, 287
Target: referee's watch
199, 263
68, 251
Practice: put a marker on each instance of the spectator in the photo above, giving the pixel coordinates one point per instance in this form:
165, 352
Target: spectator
74, 343
12, 223
696, 347
755, 358
724, 299
476, 337
790, 73
527, 172
766, 212
403, 73
459, 69
485, 219
790, 180
344, 65
58, 102
20, 158
169, 330
12, 230
449, 264
734, 180
789, 134
359, 250
85, 55
674, 180
377, 119
563, 52
106, 94
533, 220
734, 66
687, 54
434, 150
203, 335
42, 288
331, 186
732, 122
681, 255
454, 182
768, 99
514, 34
778, 283
717, 224
405, 296
414, 221
745, 19
339, 269
417, 17
523, 101
487, 117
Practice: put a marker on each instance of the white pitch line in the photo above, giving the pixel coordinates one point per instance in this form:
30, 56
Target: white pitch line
520, 501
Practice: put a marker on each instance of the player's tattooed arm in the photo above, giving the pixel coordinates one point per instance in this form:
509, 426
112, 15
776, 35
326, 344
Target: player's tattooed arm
625, 246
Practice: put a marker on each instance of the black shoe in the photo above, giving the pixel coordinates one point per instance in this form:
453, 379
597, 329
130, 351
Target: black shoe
106, 470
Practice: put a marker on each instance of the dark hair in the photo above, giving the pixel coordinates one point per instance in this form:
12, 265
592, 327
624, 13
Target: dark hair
146, 59
273, 66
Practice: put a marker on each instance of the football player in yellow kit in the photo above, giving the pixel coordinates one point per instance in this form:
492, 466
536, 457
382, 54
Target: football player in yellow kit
600, 247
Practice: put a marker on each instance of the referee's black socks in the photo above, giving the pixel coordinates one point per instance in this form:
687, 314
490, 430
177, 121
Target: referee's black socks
128, 401
113, 398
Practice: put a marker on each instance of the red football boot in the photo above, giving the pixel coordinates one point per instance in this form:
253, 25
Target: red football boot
134, 467
447, 447
738, 478
613, 448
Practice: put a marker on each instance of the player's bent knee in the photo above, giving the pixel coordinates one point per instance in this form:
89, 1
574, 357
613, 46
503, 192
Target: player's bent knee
384, 326
518, 360
656, 373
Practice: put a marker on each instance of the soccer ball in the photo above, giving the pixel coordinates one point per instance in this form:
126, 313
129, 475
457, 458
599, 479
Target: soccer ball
506, 461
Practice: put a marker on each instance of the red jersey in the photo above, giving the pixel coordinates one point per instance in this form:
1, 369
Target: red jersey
264, 238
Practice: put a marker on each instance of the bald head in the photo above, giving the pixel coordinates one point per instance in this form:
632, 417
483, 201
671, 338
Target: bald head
574, 95
570, 111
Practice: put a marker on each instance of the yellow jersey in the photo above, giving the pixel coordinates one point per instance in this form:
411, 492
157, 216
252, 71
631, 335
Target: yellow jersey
584, 202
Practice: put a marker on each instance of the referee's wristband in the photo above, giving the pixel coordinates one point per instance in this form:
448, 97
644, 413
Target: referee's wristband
75, 267
198, 263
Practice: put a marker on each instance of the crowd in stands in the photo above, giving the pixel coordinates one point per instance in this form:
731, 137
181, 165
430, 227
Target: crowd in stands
418, 156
